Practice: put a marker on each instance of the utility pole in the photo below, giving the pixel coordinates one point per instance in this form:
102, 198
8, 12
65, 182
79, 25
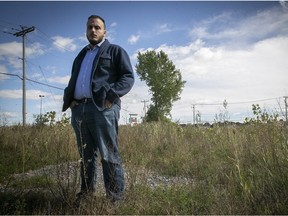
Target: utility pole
144, 101
41, 96
193, 107
286, 104
23, 34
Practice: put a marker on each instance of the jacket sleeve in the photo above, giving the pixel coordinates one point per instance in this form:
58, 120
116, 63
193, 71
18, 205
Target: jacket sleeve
69, 90
125, 78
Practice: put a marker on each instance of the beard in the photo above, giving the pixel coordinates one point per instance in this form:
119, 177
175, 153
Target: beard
94, 41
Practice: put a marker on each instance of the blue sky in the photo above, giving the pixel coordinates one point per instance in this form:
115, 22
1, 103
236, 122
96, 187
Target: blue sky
233, 51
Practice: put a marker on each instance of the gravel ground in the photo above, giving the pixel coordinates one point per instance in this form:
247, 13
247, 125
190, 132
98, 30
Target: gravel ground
68, 171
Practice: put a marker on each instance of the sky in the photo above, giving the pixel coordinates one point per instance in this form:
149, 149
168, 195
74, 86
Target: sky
228, 50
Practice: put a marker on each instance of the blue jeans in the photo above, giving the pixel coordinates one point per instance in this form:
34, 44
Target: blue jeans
97, 131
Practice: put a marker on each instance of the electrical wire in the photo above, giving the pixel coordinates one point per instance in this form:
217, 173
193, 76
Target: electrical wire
51, 86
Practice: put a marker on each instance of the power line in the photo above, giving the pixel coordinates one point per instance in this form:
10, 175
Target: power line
235, 103
242, 102
51, 86
46, 83
6, 29
53, 41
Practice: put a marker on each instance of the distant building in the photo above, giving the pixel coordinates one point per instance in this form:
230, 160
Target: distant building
133, 119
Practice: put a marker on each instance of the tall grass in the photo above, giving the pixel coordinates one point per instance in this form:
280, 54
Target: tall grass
239, 170
32, 147
234, 169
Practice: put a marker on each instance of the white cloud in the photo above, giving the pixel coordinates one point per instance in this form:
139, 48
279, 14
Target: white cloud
133, 39
111, 32
34, 49
231, 30
10, 49
226, 69
9, 114
163, 28
3, 69
17, 94
157, 29
217, 73
64, 44
83, 38
59, 79
51, 69
284, 4
112, 25
12, 52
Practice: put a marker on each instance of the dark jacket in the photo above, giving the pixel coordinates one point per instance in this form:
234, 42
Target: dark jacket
112, 76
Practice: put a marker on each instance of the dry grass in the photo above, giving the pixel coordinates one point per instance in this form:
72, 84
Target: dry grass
235, 170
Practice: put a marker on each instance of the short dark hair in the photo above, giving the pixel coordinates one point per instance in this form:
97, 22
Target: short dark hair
97, 17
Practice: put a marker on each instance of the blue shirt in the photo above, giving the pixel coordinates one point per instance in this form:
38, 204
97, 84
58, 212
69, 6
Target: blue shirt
83, 84
110, 83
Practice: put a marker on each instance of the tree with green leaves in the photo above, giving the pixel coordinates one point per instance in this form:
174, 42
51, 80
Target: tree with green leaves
164, 81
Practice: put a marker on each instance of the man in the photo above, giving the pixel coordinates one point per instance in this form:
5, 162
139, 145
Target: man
101, 75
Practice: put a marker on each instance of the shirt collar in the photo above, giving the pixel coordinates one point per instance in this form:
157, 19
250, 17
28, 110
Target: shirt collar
98, 45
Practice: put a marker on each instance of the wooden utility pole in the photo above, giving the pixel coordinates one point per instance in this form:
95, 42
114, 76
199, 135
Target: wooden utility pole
23, 34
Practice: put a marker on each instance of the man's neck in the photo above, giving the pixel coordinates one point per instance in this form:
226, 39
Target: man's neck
92, 46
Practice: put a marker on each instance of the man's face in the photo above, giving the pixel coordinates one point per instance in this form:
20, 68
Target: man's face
95, 31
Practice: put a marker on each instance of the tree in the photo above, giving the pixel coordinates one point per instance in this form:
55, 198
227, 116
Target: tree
164, 82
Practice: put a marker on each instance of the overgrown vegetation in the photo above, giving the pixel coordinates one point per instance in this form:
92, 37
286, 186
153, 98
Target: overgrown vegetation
234, 169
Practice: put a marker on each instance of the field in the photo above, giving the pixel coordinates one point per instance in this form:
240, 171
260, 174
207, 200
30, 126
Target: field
169, 170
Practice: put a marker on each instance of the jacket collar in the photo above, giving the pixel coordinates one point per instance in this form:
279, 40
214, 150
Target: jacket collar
88, 47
